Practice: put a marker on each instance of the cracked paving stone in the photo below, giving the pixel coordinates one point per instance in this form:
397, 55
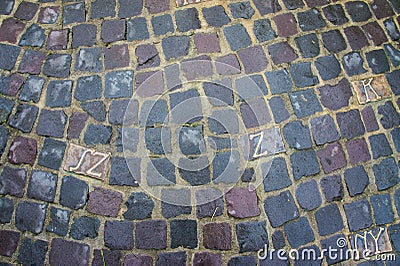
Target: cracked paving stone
8, 242
121, 175
377, 61
95, 109
175, 46
102, 9
151, 234
237, 37
187, 19
350, 124
83, 227
51, 123
12, 181
332, 157
9, 55
382, 207
358, 215
57, 40
308, 45
209, 203
305, 103
162, 24
302, 75
242, 260
29, 216
68, 252
263, 30
386, 174
59, 221
74, 13
57, 65
353, 64
308, 196
32, 89
241, 10
356, 180
147, 56
328, 67
10, 29
217, 236
390, 117
207, 258
358, 151
380, 146
324, 130
104, 202
4, 135
6, 7
6, 210
297, 135
251, 236
329, 220
299, 232
23, 151
117, 56
216, 16
332, 188
113, 30
88, 88
10, 85
282, 52
281, 208
48, 15
183, 233
52, 153
304, 163
84, 35
77, 122
207, 42
118, 84
139, 206
130, 8
98, 134
108, 257
34, 36
275, 175
42, 186
73, 192
32, 252
89, 60
242, 203
136, 29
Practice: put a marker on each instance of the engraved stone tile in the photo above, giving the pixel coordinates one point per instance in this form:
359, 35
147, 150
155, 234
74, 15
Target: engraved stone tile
376, 241
86, 161
371, 89
180, 3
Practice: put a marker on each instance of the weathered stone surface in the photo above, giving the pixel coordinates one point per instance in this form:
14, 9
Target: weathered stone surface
151, 234
32, 252
6, 210
332, 188
51, 123
251, 236
299, 232
59, 221
280, 209
8, 242
139, 206
23, 150
68, 252
24, 117
29, 216
332, 157
217, 236
84, 227
42, 186
73, 192
242, 203
12, 181
104, 202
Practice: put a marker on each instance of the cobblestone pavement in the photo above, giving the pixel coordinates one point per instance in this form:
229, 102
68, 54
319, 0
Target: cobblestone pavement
155, 132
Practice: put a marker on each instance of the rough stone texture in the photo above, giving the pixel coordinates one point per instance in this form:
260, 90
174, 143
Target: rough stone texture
9, 242
24, 117
242, 203
51, 123
10, 29
217, 236
281, 208
7, 210
380, 146
390, 117
358, 151
183, 233
297, 135
206, 258
139, 206
52, 153
329, 220
59, 93
382, 207
151, 234
32, 252
251, 236
305, 103
337, 96
73, 192
23, 151
237, 37
282, 52
42, 186
356, 180
386, 174
332, 188
324, 130
275, 175
299, 232
12, 181
68, 252
111, 257
118, 234
358, 215
332, 157
59, 221
29, 216
308, 196
84, 227
32, 89
104, 202
304, 163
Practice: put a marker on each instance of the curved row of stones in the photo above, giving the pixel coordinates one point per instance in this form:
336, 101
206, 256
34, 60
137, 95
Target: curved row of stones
67, 74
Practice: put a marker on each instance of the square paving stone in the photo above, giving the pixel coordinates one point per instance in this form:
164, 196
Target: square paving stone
242, 203
324, 130
113, 30
241, 10
162, 24
329, 220
9, 242
29, 216
117, 56
73, 192
139, 206
83, 227
147, 56
197, 68
286, 24
10, 29
151, 234
377, 61
332, 188
57, 65
175, 202
358, 215
6, 210
356, 37
183, 233
390, 117
358, 11
275, 175
42, 186
310, 20
129, 8
96, 109
34, 36
299, 232
282, 52
380, 146
68, 252
52, 153
32, 252
160, 171
9, 55
336, 96
215, 16
102, 9
253, 59
12, 181
280, 209
104, 202
332, 157
57, 40
175, 46
89, 60
386, 174
381, 9
251, 236
51, 123
304, 163
74, 13
119, 84
382, 207
356, 180
191, 140
121, 175
108, 257
207, 258
305, 103
10, 85
353, 64
207, 42
350, 124
217, 236
32, 89
335, 14
6, 7
23, 151
219, 93
279, 109
375, 33
158, 140
88, 88
333, 41
136, 29
119, 234
157, 6
279, 81
209, 203
48, 15
328, 67
237, 37
308, 196
59, 221
358, 151
308, 45
297, 135
83, 35
59, 93
267, 7
263, 29
302, 75
187, 19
